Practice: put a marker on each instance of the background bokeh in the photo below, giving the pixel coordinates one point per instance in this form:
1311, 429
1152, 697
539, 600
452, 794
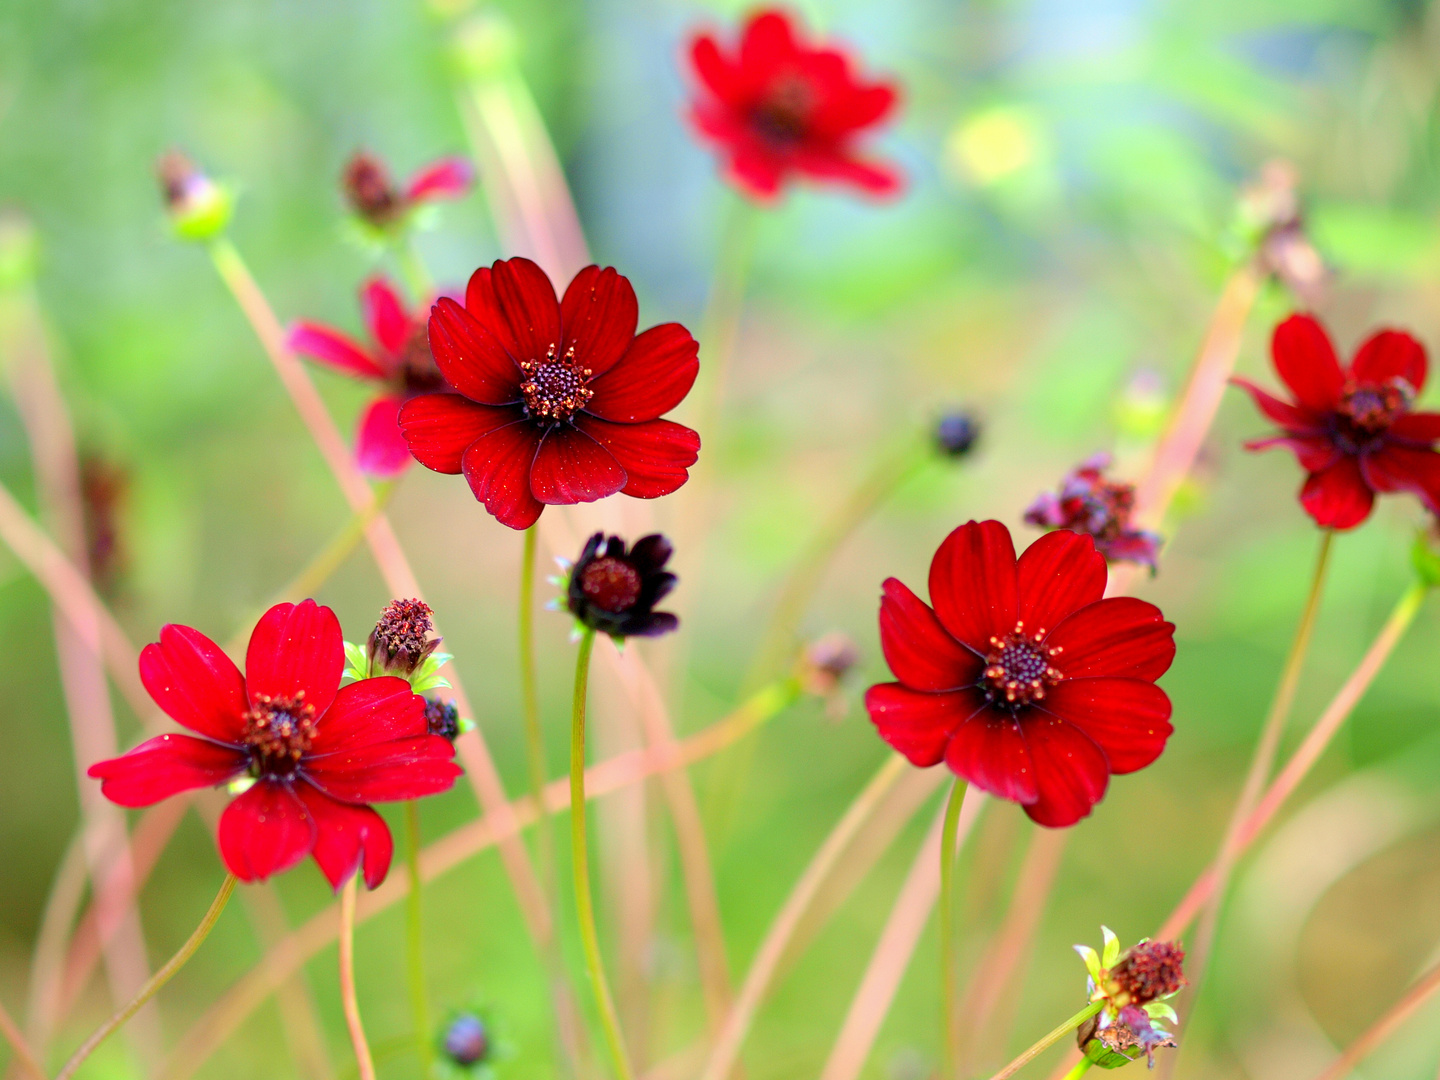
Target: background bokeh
1070, 219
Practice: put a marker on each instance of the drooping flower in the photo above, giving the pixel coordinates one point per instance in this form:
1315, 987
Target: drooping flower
556, 402
310, 754
375, 200
776, 107
1351, 428
1133, 989
615, 591
397, 359
1089, 503
1021, 678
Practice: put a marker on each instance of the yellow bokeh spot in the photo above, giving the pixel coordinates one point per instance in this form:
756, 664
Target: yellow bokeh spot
995, 143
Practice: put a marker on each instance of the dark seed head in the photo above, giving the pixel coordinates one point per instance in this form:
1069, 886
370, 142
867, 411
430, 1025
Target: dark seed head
401, 639
442, 718
955, 433
467, 1041
1149, 971
369, 191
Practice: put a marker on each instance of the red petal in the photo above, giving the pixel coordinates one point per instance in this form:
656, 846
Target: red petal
857, 106
571, 467
973, 583
1058, 574
918, 649
384, 312
917, 724
1337, 498
470, 356
1296, 421
598, 317
344, 836
497, 466
1119, 636
655, 455
448, 178
1129, 719
264, 831
197, 685
1306, 362
871, 177
1387, 355
713, 68
167, 765
1071, 772
766, 43
380, 446
527, 303
1420, 427
652, 377
481, 303
369, 711
296, 649
989, 750
1316, 453
386, 772
333, 349
1402, 468
759, 175
439, 428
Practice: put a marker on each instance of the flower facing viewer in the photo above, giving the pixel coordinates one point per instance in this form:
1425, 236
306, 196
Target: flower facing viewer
615, 591
1021, 678
1351, 428
776, 108
309, 753
1089, 503
373, 197
557, 402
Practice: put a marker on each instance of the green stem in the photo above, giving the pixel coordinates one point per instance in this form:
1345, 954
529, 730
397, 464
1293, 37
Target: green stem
333, 554
719, 325
1049, 1040
949, 992
584, 904
155, 982
530, 702
413, 269
1081, 1068
415, 939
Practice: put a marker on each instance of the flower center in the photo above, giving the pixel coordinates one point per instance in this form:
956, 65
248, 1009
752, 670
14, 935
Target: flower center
416, 370
783, 117
1372, 409
1018, 668
611, 584
279, 731
555, 387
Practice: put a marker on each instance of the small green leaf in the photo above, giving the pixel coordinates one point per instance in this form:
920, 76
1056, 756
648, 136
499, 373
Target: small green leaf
1426, 560
465, 724
1159, 1010
429, 682
357, 663
1092, 960
1112, 947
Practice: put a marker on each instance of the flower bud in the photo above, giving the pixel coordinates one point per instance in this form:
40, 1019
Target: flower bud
369, 191
615, 591
955, 433
401, 640
825, 662
442, 718
1088, 503
467, 1041
199, 208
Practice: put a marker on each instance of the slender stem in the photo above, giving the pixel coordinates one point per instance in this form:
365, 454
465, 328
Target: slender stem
1386, 1026
950, 1022
530, 699
720, 323
1049, 1040
363, 1060
415, 938
1081, 1068
412, 267
23, 1054
579, 845
329, 558
155, 982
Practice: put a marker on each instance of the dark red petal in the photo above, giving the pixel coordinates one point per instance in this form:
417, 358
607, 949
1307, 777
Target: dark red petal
989, 751
484, 307
386, 772
333, 349
369, 711
1058, 574
497, 466
264, 831
1390, 354
759, 175
917, 724
380, 447
1120, 636
384, 312
1305, 360
1071, 772
470, 356
920, 651
973, 583
1337, 498
1420, 427
167, 765
197, 685
655, 455
1316, 453
527, 303
571, 467
296, 649
448, 178
653, 376
439, 428
1296, 421
346, 836
1403, 468
859, 106
597, 318
1128, 718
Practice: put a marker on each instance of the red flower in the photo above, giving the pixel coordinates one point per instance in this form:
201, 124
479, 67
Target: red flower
1021, 678
317, 754
398, 359
373, 197
1351, 428
776, 107
558, 402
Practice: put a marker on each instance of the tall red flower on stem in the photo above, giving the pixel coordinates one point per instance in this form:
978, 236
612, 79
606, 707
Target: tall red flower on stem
558, 401
776, 107
1021, 678
397, 360
315, 753
1351, 428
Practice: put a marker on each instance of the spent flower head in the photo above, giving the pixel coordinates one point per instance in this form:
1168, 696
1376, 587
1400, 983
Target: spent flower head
1133, 987
401, 644
199, 207
1089, 503
385, 208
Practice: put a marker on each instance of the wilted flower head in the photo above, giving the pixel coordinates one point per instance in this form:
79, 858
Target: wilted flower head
826, 661
1133, 988
955, 433
199, 208
373, 197
615, 591
1088, 503
400, 644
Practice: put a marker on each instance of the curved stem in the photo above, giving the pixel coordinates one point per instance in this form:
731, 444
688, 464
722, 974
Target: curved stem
1049, 1040
155, 982
24, 1056
415, 938
584, 903
949, 1028
1386, 1026
1081, 1068
363, 1060
530, 700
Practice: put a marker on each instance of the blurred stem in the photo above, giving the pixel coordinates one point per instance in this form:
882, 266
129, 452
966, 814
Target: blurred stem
1081, 1068
579, 843
363, 1060
720, 323
23, 1054
333, 554
1049, 1040
1387, 1025
950, 1023
415, 938
155, 982
413, 269
530, 698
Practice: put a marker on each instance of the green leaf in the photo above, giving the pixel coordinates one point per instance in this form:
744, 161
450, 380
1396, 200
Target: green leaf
1112, 947
357, 663
1092, 960
1158, 1010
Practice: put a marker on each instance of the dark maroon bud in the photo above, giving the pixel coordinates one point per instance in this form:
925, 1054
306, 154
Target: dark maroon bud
442, 717
369, 190
1150, 970
401, 639
955, 434
614, 590
467, 1042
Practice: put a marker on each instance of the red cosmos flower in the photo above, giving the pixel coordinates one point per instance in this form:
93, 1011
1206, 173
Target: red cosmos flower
1021, 678
373, 197
558, 402
1351, 428
776, 107
316, 754
398, 359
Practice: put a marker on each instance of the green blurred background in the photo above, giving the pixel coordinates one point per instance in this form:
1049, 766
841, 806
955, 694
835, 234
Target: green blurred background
1069, 223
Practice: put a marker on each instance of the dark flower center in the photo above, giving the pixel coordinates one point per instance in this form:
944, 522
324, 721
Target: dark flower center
1372, 409
1150, 970
415, 369
610, 584
278, 731
401, 639
555, 387
783, 116
1018, 668
368, 190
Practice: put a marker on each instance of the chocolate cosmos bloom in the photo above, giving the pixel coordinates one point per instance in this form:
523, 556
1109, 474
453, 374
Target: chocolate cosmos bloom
1089, 503
374, 198
615, 591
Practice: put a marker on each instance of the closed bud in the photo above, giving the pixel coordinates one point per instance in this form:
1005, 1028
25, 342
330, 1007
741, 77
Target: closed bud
401, 640
199, 208
369, 191
467, 1041
955, 433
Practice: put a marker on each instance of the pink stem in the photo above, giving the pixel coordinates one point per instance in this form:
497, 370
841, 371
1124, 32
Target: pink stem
1386, 1026
23, 1054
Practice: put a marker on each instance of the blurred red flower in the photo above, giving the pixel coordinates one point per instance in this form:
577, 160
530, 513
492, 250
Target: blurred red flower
1351, 428
777, 107
1021, 678
373, 197
316, 752
558, 402
398, 359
